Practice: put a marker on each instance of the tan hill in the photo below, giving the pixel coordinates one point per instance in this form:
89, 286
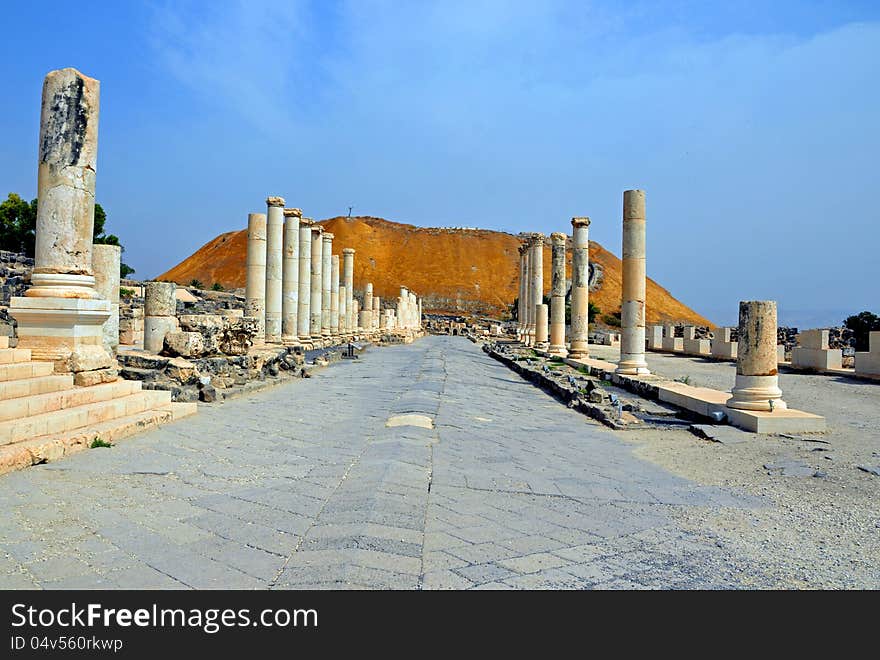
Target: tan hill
455, 270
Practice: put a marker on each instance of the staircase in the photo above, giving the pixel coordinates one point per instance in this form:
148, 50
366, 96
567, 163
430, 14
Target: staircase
43, 416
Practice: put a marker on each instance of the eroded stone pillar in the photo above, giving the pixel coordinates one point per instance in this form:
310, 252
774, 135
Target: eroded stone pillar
366, 320
274, 267
580, 288
105, 263
326, 282
557, 295
632, 304
160, 314
348, 279
757, 379
304, 305
537, 249
521, 300
290, 277
343, 309
377, 307
541, 318
528, 312
316, 281
356, 314
255, 285
334, 295
61, 316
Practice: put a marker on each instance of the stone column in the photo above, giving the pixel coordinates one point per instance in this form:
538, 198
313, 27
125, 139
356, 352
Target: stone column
537, 249
255, 286
348, 279
401, 308
274, 261
541, 318
334, 295
557, 295
160, 314
105, 263
316, 281
61, 316
290, 277
527, 312
356, 314
757, 379
326, 282
367, 315
521, 300
580, 288
632, 304
343, 309
377, 307
304, 305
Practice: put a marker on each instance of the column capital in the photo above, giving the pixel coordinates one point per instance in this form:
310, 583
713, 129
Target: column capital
293, 213
328, 237
306, 222
317, 229
557, 237
348, 251
275, 201
580, 222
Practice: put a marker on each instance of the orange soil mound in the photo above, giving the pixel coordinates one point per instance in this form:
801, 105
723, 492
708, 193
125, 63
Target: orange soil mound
455, 270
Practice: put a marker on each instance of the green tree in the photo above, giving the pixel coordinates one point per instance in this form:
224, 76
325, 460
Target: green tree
862, 325
217, 287
18, 221
196, 284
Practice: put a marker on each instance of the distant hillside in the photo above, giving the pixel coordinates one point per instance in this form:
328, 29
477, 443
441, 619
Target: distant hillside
455, 270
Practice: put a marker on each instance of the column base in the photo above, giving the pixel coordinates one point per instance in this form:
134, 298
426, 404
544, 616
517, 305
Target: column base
66, 331
557, 350
633, 367
756, 393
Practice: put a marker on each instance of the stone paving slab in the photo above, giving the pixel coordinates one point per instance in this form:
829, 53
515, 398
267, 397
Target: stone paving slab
304, 486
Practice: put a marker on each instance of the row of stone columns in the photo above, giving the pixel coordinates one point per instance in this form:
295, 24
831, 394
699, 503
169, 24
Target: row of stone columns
300, 292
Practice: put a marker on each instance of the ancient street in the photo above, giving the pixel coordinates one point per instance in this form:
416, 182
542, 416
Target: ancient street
341, 484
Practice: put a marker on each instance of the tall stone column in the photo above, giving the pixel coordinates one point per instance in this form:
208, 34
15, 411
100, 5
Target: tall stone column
348, 279
580, 288
274, 266
334, 295
757, 379
290, 277
356, 314
366, 320
255, 286
326, 282
105, 263
304, 305
343, 309
527, 289
377, 307
160, 314
316, 281
521, 300
632, 304
537, 250
557, 295
402, 301
61, 316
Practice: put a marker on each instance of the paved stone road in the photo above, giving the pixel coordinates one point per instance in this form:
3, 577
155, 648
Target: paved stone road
304, 486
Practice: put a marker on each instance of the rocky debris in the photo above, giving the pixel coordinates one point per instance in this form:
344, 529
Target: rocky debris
204, 335
203, 378
15, 275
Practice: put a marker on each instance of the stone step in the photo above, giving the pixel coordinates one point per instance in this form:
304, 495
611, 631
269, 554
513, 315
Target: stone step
13, 389
14, 355
29, 406
18, 370
52, 447
61, 421
4, 341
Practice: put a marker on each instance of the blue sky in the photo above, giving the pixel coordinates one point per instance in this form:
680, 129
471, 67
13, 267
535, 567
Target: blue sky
753, 127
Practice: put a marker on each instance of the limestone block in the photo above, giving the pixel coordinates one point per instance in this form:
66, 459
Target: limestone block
812, 358
655, 338
690, 332
88, 378
184, 344
90, 358
210, 326
697, 346
239, 335
181, 370
814, 339
673, 344
868, 363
